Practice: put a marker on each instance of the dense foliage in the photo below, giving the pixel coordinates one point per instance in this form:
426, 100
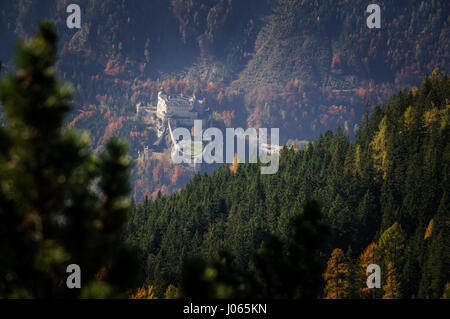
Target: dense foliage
307, 67
385, 197
277, 270
301, 65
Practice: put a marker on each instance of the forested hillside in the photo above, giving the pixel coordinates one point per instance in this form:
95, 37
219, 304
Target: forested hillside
385, 197
302, 66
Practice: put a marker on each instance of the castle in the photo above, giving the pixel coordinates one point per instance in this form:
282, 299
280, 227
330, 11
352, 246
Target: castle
179, 110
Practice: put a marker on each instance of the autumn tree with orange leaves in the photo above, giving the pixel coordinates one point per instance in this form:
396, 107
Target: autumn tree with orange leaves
336, 276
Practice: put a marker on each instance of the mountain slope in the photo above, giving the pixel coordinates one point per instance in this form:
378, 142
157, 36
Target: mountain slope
302, 66
386, 188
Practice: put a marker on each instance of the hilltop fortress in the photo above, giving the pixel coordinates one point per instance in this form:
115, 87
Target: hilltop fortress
179, 110
187, 112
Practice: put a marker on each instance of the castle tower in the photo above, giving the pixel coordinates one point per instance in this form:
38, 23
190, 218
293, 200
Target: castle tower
145, 152
138, 107
161, 107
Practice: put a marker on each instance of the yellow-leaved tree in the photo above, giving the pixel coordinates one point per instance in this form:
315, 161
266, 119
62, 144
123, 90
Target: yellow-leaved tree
336, 276
234, 166
144, 293
379, 146
429, 230
392, 288
369, 256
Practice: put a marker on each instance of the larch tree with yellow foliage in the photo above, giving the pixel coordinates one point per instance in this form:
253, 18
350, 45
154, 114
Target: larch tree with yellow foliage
144, 293
369, 256
429, 230
392, 289
336, 276
235, 165
380, 149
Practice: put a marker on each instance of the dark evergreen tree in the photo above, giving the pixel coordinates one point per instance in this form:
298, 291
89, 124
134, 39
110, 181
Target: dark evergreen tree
59, 204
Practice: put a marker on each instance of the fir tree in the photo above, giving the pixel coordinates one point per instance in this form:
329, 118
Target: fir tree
59, 204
